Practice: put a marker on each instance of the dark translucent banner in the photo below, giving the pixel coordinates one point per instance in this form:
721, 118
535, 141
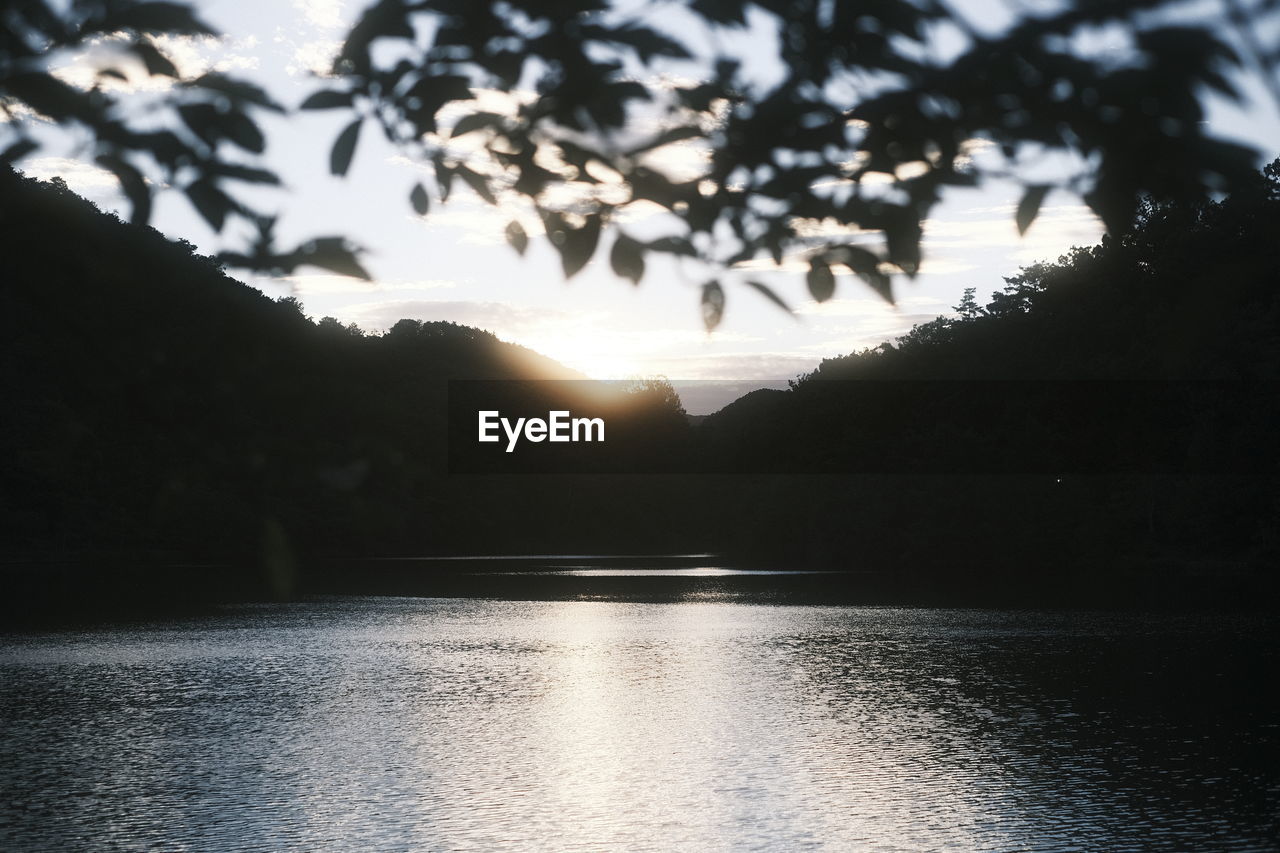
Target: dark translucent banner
855, 427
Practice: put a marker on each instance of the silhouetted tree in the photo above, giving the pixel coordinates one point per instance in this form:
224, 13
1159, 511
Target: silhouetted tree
179, 132
805, 117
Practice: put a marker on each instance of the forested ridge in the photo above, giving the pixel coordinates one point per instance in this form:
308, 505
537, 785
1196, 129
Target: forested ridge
160, 413
1187, 300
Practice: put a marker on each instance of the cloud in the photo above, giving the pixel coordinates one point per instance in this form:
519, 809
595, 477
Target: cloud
311, 58
328, 284
841, 339
193, 56
313, 42
1054, 226
79, 176
507, 321
322, 14
747, 367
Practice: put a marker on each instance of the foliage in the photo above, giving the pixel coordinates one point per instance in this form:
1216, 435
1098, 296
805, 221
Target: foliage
572, 108
823, 129
1185, 294
142, 119
155, 406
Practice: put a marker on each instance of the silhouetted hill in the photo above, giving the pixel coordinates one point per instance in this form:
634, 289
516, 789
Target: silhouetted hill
1105, 423
160, 414
155, 406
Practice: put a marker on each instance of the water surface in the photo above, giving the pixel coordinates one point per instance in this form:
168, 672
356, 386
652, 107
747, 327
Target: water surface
414, 724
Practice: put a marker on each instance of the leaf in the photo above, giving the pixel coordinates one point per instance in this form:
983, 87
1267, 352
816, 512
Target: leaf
516, 237
204, 120
18, 150
420, 200
477, 183
344, 148
473, 122
578, 245
334, 254
902, 234
444, 178
385, 19
248, 174
768, 293
627, 258
327, 99
866, 265
674, 134
672, 245
242, 130
132, 184
712, 304
647, 43
50, 96
157, 64
1029, 207
237, 90
211, 202
822, 284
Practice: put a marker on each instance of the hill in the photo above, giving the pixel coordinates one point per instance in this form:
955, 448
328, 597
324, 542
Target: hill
159, 412
170, 429
1101, 430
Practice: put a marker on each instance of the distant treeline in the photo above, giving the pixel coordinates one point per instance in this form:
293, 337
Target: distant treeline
1188, 301
160, 413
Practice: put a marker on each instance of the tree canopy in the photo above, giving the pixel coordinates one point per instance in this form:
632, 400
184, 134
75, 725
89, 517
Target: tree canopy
822, 129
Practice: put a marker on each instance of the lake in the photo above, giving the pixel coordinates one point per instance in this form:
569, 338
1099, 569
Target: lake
383, 723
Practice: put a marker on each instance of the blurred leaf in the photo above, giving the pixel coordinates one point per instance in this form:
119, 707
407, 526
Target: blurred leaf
344, 148
866, 265
156, 63
211, 202
334, 254
212, 125
49, 96
821, 282
238, 90
384, 19
712, 305
627, 258
673, 246
578, 245
420, 200
1029, 207
768, 293
902, 234
477, 183
244, 132
444, 178
249, 174
327, 99
473, 122
646, 42
18, 150
204, 121
667, 137
132, 184
516, 236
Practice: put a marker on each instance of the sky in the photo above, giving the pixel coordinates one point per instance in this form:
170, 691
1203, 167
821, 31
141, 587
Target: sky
454, 263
